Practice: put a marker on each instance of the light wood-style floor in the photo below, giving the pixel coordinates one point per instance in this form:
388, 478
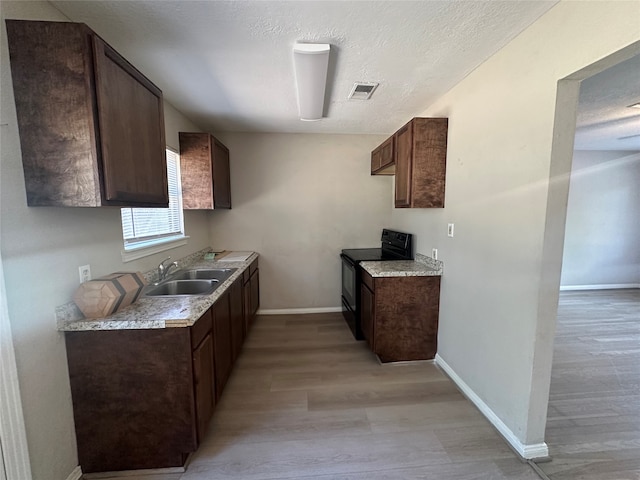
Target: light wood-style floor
306, 401
593, 425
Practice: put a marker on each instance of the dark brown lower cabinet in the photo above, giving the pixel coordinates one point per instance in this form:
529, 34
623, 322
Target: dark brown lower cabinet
251, 294
204, 384
236, 313
255, 293
367, 309
221, 342
133, 398
399, 316
142, 399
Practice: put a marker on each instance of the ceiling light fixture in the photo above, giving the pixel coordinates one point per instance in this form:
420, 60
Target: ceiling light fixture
635, 105
311, 61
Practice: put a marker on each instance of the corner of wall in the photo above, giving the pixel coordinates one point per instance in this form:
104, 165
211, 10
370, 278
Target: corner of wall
525, 451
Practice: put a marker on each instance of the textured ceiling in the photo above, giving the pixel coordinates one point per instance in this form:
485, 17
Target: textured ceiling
228, 65
605, 121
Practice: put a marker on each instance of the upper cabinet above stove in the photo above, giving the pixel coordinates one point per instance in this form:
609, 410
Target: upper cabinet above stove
91, 125
419, 154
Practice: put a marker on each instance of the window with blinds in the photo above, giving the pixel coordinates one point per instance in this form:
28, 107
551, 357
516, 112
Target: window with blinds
145, 227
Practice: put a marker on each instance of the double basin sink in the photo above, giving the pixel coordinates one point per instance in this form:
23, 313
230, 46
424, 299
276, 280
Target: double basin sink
191, 282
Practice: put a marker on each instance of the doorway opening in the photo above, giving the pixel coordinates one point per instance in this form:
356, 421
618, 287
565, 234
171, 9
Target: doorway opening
593, 417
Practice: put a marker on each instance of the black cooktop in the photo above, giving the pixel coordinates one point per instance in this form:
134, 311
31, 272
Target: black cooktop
365, 254
395, 246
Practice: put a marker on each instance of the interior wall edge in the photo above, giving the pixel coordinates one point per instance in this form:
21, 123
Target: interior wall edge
564, 126
13, 437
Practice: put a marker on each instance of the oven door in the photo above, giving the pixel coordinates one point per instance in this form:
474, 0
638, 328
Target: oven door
349, 283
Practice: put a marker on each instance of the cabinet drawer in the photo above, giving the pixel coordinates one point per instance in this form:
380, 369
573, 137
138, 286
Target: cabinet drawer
367, 280
200, 329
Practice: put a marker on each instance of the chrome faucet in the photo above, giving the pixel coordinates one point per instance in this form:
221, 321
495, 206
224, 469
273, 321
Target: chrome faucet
163, 270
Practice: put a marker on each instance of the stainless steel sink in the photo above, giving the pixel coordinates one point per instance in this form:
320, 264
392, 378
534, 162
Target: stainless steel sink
184, 287
220, 274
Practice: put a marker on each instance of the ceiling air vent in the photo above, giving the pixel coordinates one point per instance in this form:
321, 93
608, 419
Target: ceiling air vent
362, 91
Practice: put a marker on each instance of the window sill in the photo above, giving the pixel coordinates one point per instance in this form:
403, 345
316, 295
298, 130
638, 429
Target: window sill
145, 250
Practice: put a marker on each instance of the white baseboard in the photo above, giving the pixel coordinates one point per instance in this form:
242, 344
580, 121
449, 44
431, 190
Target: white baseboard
298, 311
608, 286
76, 474
138, 473
134, 473
531, 451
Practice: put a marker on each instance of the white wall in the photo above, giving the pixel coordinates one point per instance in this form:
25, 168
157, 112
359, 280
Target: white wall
603, 220
41, 251
496, 318
298, 200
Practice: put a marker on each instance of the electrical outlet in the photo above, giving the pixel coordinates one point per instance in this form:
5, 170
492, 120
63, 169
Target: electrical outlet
85, 273
450, 230
434, 253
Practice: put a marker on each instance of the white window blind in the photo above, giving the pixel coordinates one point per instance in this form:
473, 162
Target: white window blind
143, 227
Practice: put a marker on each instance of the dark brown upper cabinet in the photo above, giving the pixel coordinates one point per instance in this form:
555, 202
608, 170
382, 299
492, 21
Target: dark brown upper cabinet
91, 125
417, 155
382, 158
420, 159
204, 167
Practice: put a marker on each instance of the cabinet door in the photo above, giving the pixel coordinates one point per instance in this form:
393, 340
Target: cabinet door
221, 176
236, 302
255, 293
382, 159
404, 157
133, 398
131, 126
203, 376
53, 89
429, 162
406, 323
376, 160
205, 172
246, 309
367, 314
387, 150
251, 293
222, 342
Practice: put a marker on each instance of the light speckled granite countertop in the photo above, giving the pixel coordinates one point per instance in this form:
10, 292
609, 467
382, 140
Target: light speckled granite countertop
156, 312
422, 266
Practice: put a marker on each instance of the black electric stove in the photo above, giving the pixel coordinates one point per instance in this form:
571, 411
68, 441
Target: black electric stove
395, 246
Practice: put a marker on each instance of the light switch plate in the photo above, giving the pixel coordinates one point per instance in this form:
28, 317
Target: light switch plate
450, 230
